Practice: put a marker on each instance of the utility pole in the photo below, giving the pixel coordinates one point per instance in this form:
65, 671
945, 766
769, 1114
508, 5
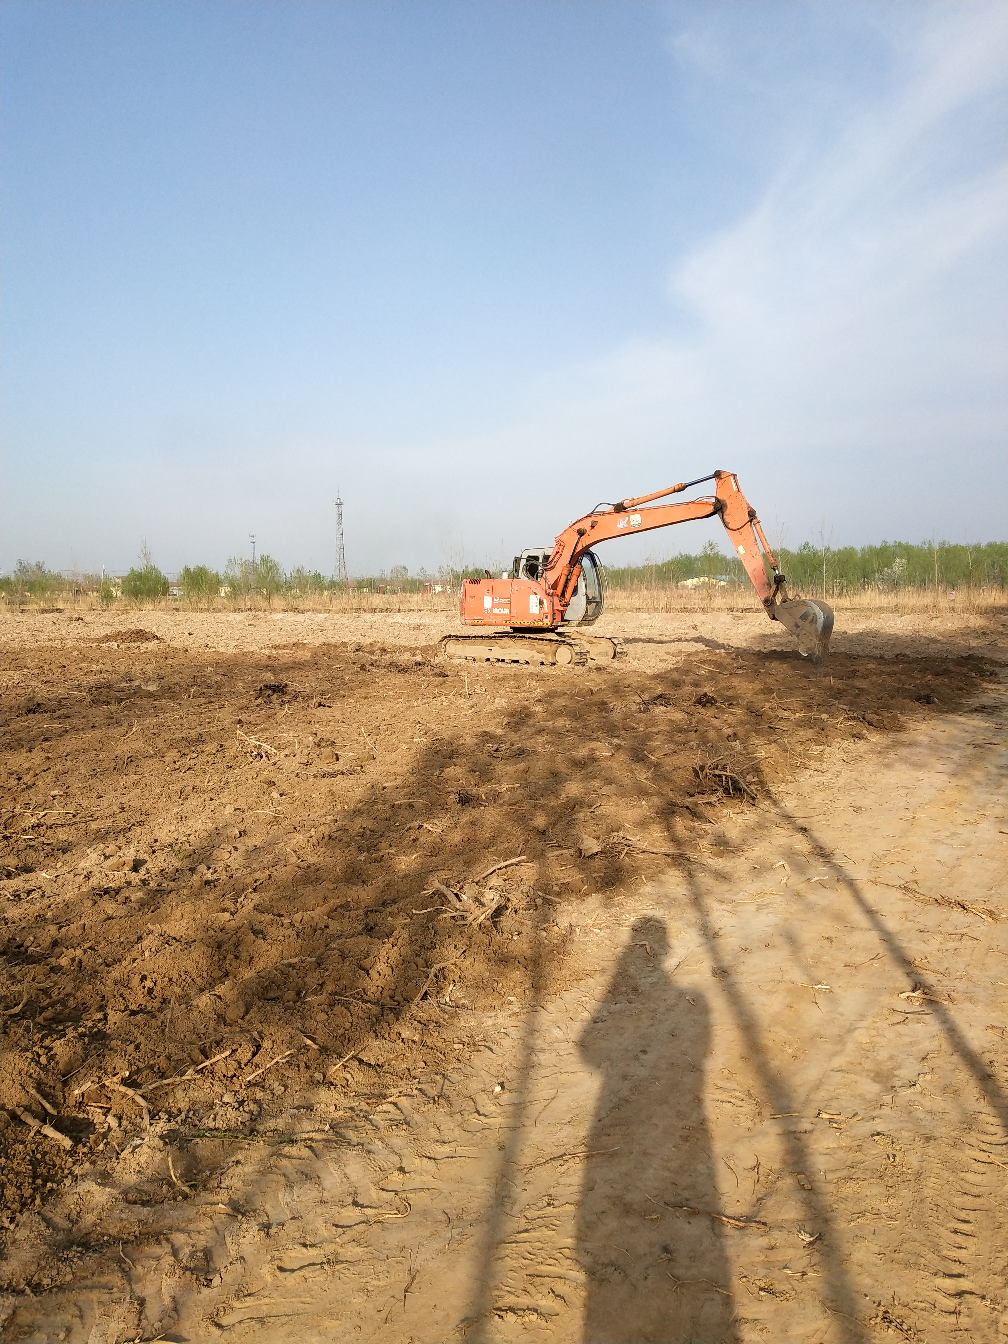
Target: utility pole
340, 574
252, 540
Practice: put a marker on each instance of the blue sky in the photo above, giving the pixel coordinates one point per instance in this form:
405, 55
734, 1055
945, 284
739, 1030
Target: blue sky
480, 266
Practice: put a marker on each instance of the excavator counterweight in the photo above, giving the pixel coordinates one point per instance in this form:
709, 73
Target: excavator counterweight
550, 594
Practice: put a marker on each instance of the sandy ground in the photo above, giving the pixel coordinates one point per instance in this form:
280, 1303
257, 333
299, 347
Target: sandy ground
700, 1066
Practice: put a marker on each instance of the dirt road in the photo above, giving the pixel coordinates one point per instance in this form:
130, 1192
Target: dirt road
718, 1056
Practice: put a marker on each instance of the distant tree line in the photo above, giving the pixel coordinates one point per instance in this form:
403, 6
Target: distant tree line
889, 566
241, 579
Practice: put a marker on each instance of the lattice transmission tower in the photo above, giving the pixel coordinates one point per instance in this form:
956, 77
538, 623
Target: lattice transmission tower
340, 574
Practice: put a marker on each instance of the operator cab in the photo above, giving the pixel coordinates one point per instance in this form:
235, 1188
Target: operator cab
586, 605
530, 565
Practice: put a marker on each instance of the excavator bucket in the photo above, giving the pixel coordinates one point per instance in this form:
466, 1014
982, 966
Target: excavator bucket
811, 623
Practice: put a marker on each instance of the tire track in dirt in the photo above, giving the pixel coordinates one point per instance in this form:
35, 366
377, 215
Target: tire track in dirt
968, 1256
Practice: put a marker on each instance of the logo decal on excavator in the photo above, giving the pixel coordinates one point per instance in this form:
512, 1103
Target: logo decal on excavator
632, 520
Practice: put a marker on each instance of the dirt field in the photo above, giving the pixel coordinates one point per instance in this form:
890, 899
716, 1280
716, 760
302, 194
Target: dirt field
365, 997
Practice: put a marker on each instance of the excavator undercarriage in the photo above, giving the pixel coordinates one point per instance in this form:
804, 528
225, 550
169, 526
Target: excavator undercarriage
540, 650
551, 594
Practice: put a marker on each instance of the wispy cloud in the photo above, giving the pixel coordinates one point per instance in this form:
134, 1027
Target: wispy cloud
851, 325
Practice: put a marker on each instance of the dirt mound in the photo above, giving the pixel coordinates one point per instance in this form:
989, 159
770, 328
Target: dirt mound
257, 877
136, 636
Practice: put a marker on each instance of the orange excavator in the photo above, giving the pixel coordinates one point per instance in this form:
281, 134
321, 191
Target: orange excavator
550, 593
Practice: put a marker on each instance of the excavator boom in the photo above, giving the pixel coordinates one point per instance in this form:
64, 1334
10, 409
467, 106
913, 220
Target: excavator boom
565, 586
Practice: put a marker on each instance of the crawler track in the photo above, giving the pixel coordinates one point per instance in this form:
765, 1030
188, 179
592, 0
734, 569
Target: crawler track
536, 649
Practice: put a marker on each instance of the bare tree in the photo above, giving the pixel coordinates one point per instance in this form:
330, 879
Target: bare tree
935, 548
825, 538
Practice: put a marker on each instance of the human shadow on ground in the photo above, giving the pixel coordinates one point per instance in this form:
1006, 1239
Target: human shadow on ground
650, 1165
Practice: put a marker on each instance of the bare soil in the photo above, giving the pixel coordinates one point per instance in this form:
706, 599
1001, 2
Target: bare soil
394, 1000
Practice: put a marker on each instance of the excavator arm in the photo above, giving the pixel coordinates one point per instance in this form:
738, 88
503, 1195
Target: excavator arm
630, 516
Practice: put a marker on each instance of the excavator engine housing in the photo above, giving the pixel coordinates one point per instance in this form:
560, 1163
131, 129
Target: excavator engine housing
522, 600
522, 603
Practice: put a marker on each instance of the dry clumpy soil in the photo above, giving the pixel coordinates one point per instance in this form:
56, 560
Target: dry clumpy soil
247, 892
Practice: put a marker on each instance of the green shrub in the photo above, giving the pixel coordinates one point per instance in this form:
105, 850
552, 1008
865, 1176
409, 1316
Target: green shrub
107, 593
239, 576
301, 583
245, 579
145, 585
32, 581
269, 577
199, 584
